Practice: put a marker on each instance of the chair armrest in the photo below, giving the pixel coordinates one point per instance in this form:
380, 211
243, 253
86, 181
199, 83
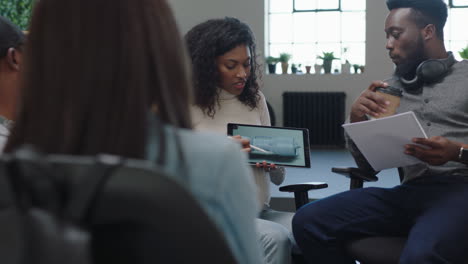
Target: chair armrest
357, 176
300, 190
303, 187
356, 173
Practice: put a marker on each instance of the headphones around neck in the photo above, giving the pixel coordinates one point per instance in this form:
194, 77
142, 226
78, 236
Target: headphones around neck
429, 71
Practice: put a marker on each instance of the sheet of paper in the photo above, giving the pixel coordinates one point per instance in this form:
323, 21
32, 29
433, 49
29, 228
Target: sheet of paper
382, 140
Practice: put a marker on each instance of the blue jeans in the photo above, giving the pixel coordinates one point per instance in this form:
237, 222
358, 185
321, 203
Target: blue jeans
431, 211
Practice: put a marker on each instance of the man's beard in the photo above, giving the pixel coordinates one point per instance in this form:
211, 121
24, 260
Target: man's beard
407, 68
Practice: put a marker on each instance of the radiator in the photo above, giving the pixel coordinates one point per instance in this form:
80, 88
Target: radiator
322, 113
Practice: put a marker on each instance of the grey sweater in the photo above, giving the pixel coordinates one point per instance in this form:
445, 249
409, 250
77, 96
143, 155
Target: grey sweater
442, 109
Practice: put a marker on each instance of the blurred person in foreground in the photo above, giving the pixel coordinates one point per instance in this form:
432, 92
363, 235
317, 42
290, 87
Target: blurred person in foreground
117, 81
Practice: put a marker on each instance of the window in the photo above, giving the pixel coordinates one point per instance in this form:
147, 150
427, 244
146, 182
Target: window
458, 3
307, 28
455, 33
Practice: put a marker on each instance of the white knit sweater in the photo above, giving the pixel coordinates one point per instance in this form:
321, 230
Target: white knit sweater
231, 110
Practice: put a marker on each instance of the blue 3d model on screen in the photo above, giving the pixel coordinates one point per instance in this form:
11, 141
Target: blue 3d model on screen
281, 146
284, 146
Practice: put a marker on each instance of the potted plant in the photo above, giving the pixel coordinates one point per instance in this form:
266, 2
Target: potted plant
464, 53
317, 68
18, 12
327, 58
307, 68
361, 67
294, 68
346, 67
356, 68
299, 68
271, 61
284, 59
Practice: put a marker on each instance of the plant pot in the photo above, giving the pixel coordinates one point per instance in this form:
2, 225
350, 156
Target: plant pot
294, 69
308, 69
346, 68
284, 67
356, 69
362, 69
272, 68
327, 66
317, 68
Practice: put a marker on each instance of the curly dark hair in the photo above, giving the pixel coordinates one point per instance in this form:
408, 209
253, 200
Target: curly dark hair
206, 42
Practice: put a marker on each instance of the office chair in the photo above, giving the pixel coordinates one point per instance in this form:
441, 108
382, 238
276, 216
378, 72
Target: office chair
271, 113
301, 198
369, 250
137, 215
366, 250
300, 190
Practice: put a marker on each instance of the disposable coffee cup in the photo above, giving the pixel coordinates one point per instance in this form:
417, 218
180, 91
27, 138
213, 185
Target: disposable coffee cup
393, 95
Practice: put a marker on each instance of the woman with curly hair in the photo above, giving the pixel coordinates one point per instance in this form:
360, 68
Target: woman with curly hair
226, 91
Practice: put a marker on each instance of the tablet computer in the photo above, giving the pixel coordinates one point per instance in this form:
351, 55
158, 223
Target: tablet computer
283, 146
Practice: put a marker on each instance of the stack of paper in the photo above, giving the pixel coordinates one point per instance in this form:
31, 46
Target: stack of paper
382, 141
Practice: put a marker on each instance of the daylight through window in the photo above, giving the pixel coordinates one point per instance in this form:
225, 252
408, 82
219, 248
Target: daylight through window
308, 28
455, 33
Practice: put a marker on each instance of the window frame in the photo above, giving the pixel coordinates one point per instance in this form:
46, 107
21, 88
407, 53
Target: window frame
339, 9
340, 42
452, 5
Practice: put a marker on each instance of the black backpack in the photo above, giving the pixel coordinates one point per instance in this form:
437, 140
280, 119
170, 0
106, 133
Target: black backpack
41, 216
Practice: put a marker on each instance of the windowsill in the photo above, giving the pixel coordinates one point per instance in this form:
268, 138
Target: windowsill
317, 76
313, 74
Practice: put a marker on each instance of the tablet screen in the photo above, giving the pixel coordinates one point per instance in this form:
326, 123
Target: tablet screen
280, 145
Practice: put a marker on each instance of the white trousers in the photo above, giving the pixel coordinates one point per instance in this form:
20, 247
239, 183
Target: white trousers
275, 236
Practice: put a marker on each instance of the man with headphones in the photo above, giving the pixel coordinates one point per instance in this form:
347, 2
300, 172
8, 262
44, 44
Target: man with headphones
430, 206
11, 40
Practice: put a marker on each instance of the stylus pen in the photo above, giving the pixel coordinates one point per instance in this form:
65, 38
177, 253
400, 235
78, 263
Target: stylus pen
256, 148
259, 149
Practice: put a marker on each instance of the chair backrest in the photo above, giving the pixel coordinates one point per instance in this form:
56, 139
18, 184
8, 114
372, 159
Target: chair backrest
138, 215
272, 114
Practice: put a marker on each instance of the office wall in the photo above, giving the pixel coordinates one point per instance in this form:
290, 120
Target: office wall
378, 66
